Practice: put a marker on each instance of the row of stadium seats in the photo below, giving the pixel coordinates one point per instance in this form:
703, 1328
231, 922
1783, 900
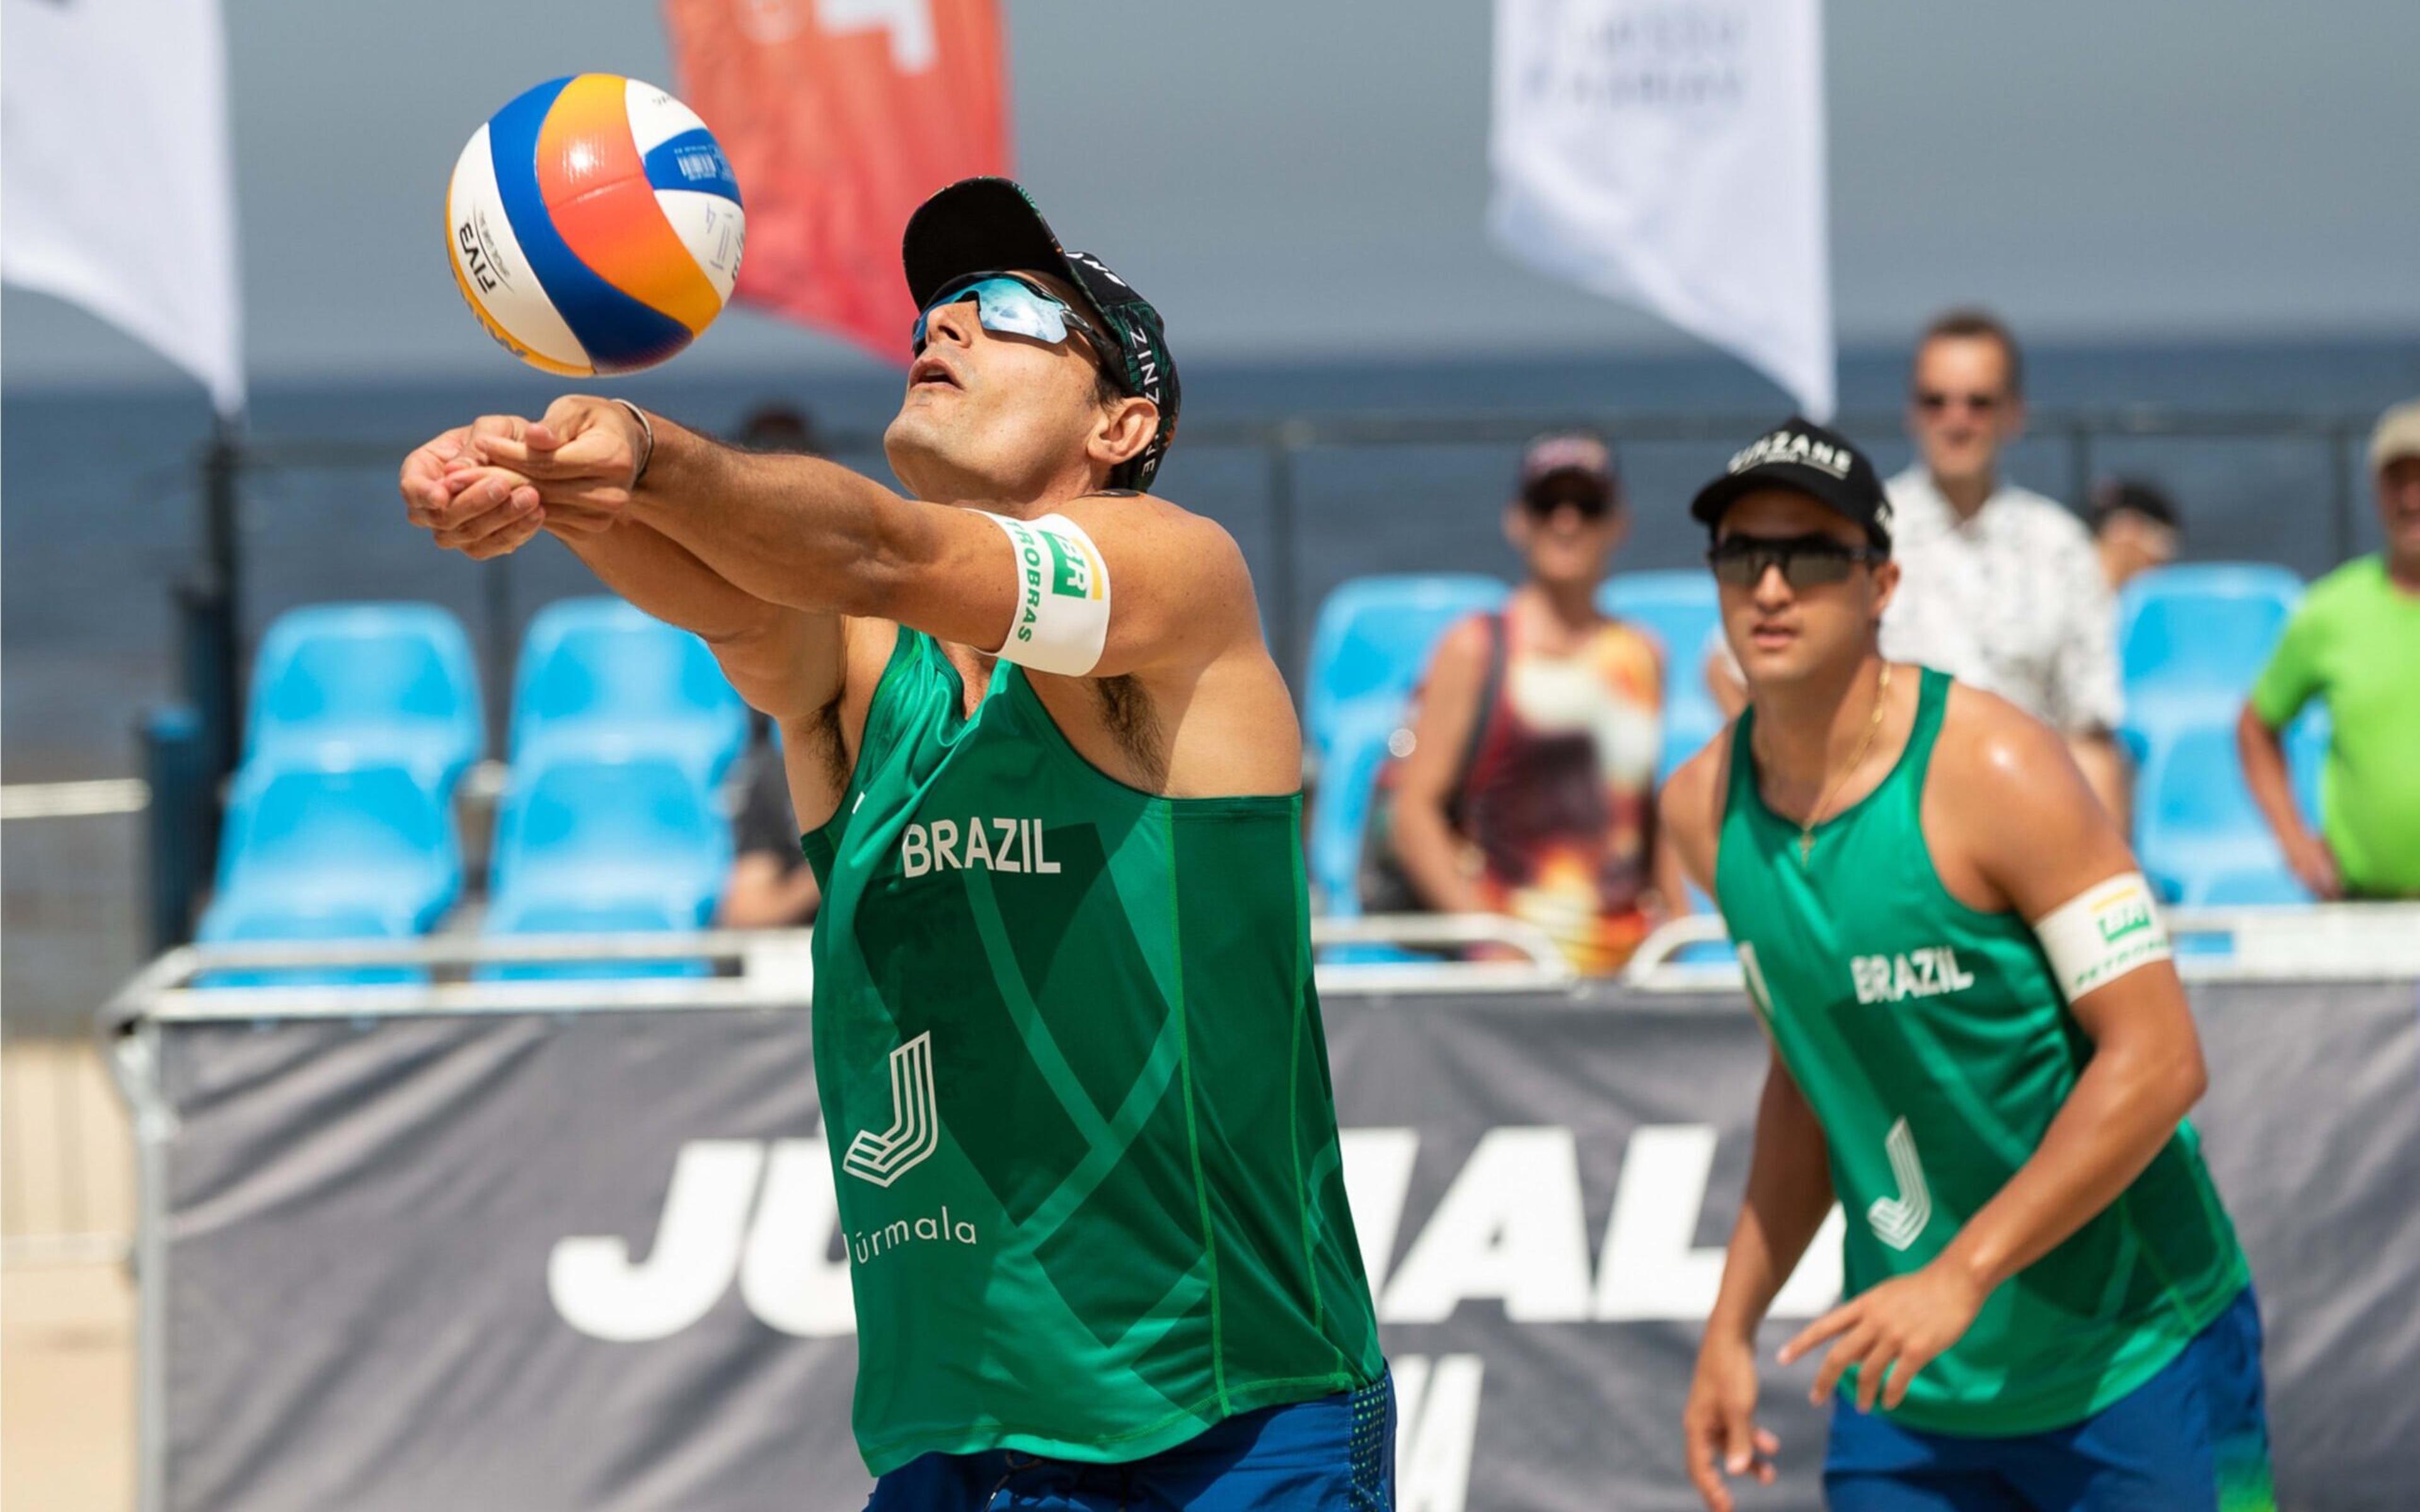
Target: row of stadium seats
2191, 641
363, 719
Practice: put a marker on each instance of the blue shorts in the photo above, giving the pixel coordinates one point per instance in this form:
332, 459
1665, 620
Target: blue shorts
1336, 1454
2195, 1438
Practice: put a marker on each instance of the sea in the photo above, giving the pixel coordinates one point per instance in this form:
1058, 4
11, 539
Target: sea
100, 514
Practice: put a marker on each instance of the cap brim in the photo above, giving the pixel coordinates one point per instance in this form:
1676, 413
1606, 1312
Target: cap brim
977, 226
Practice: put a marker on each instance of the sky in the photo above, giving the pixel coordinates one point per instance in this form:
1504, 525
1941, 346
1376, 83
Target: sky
1307, 178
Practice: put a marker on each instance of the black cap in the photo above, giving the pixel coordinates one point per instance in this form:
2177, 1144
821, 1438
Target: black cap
1804, 458
1566, 458
990, 226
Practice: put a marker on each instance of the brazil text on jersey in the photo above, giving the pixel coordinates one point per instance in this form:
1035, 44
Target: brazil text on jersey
1006, 845
1929, 972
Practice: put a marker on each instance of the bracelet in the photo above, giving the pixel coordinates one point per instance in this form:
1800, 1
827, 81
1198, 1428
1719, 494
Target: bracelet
647, 430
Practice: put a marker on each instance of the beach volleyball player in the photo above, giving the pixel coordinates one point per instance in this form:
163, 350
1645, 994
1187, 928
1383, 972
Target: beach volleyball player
1070, 1060
1980, 1047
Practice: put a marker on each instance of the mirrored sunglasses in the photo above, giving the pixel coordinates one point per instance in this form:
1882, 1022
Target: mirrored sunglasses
1010, 306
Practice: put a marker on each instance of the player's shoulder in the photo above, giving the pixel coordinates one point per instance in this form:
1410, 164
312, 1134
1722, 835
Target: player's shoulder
1149, 522
1989, 747
1692, 795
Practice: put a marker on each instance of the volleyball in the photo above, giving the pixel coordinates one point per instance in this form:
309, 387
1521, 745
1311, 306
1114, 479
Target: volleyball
594, 225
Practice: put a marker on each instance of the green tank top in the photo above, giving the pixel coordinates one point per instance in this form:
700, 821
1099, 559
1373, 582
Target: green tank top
1075, 1090
1934, 1046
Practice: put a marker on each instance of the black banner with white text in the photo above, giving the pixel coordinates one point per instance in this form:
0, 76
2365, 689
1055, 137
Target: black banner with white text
593, 1261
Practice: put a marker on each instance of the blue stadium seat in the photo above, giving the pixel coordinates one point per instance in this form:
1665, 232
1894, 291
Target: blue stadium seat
2306, 757
354, 685
599, 675
2194, 820
605, 832
2246, 887
526, 915
1372, 645
1681, 609
1368, 652
2192, 639
365, 843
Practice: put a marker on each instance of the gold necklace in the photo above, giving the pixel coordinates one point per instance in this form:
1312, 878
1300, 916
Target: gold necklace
1874, 727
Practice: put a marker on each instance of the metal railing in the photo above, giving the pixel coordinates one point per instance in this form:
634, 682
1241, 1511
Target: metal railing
1284, 445
2312, 942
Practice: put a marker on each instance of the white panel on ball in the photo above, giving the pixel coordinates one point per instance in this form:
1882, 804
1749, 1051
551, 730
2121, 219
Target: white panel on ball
656, 118
713, 229
488, 260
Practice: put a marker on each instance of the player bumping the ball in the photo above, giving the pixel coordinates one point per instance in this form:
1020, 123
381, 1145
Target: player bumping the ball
1071, 1063
1981, 1049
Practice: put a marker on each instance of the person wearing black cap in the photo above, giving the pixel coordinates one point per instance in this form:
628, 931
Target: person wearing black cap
1067, 1046
1980, 1050
1528, 789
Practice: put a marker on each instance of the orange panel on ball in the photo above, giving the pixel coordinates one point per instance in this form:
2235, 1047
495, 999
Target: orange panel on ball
595, 186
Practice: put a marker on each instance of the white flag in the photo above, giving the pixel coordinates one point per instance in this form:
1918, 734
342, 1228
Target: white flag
116, 185
1669, 153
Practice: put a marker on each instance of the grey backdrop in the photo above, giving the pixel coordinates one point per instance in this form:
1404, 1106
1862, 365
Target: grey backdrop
1291, 178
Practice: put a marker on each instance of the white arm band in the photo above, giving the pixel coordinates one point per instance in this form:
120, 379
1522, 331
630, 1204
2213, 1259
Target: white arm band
2102, 933
1063, 596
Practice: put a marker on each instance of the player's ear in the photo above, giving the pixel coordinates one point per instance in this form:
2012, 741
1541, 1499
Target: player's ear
1885, 585
1126, 429
1516, 527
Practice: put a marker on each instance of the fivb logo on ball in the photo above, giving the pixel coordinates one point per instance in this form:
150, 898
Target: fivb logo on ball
594, 225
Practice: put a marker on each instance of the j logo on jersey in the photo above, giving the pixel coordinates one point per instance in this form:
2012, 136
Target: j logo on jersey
1929, 972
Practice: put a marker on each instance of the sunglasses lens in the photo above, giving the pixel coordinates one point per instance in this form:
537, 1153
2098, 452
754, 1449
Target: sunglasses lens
1739, 568
1808, 569
1002, 305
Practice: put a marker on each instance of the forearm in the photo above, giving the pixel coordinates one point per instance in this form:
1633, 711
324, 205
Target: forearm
793, 531
1789, 1193
2265, 774
1430, 855
2125, 1107
658, 576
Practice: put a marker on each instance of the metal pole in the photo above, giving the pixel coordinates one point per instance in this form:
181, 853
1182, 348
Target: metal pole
2340, 489
497, 610
223, 587
1282, 545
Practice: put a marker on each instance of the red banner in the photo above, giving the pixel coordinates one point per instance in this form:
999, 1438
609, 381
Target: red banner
838, 118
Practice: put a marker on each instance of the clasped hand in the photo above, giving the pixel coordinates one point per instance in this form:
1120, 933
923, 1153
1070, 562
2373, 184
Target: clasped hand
487, 488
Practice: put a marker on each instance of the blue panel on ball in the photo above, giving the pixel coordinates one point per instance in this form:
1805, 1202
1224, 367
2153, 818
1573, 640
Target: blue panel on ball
692, 160
618, 332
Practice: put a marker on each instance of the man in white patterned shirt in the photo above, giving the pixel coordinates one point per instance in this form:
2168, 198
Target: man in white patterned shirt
2000, 586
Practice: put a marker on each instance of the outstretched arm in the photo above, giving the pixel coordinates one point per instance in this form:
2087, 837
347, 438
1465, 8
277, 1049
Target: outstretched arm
810, 534
782, 661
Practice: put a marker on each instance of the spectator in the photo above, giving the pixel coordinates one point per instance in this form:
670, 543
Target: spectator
780, 427
2133, 527
2000, 586
2353, 644
770, 886
1529, 787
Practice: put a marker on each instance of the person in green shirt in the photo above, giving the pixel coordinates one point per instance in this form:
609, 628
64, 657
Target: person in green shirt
2354, 645
1980, 1050
1070, 1058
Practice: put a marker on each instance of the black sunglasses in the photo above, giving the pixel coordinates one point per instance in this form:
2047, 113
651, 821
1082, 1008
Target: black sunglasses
1592, 504
1805, 561
1933, 401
